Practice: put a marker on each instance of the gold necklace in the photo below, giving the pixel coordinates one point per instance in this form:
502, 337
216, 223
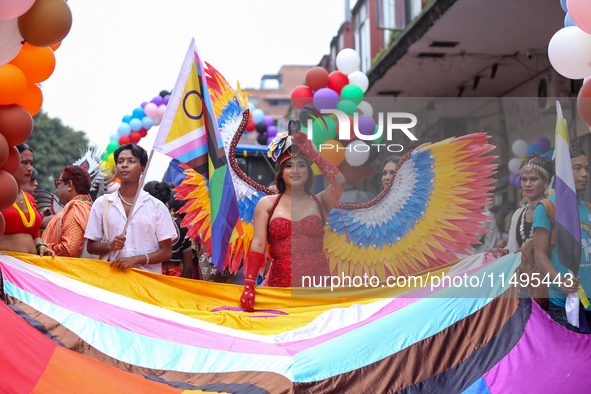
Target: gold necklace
31, 221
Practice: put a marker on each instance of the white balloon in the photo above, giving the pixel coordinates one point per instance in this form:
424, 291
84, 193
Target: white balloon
569, 51
356, 153
366, 108
519, 148
11, 40
360, 79
514, 164
12, 9
348, 61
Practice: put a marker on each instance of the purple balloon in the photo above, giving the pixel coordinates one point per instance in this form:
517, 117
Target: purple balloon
166, 99
326, 98
272, 132
158, 101
268, 120
367, 126
143, 105
515, 180
544, 143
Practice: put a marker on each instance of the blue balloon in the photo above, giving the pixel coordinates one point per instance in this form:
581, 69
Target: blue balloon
147, 122
251, 107
126, 119
568, 21
550, 153
135, 124
563, 5
534, 148
258, 115
124, 129
114, 137
138, 113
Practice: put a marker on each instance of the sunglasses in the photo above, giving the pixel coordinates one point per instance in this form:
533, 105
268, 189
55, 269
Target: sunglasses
57, 181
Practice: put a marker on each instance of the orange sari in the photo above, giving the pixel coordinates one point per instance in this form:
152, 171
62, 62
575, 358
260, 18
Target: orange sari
65, 232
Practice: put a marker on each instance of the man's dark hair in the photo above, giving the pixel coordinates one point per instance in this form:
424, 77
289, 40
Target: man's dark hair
576, 152
136, 150
159, 190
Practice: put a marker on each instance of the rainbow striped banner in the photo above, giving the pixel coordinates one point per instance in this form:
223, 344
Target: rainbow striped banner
189, 133
141, 332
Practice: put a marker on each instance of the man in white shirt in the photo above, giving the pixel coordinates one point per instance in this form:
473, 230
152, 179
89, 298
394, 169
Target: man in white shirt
149, 237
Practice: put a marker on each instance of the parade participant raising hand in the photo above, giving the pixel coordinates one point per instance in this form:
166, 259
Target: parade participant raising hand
148, 240
292, 222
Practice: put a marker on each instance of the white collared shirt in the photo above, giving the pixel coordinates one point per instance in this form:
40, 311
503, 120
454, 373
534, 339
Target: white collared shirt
150, 223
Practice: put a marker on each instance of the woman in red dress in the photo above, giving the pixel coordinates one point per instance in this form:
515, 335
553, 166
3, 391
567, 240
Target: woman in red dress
22, 219
292, 222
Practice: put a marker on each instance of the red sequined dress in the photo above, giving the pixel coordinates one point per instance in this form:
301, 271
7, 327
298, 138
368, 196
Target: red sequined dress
296, 249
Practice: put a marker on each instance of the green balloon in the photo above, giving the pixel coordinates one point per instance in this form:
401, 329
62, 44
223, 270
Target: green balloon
112, 146
380, 138
305, 131
347, 106
322, 133
353, 93
105, 156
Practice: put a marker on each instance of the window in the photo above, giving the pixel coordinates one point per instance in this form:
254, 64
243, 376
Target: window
362, 42
277, 102
253, 100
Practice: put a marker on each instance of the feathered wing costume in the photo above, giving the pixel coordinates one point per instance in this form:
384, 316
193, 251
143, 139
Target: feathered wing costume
431, 211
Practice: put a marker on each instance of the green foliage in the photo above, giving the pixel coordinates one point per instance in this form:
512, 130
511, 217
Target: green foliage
55, 146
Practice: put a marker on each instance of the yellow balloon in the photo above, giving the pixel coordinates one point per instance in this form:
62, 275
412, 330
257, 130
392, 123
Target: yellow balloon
522, 158
315, 169
111, 160
103, 164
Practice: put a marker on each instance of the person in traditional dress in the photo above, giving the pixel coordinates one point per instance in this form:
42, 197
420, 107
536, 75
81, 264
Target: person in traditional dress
292, 222
65, 232
22, 219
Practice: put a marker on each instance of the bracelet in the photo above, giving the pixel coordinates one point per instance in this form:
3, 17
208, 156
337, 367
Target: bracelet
39, 245
147, 259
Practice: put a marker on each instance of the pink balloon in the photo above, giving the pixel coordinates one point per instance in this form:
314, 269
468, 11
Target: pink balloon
580, 13
161, 111
157, 121
586, 79
10, 9
151, 110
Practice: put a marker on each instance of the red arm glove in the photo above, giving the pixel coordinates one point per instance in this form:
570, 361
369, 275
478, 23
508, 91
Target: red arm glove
327, 169
254, 262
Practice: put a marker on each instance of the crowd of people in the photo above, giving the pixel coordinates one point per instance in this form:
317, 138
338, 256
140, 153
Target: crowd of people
147, 234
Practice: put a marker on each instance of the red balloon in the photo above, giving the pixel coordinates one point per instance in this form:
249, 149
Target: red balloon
124, 140
13, 162
337, 81
8, 191
16, 124
367, 169
317, 78
584, 102
352, 174
250, 126
2, 225
143, 132
3, 150
302, 96
135, 137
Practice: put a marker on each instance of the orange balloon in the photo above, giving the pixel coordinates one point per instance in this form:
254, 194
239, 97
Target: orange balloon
16, 124
56, 46
8, 191
2, 225
333, 151
37, 63
46, 23
3, 150
13, 84
13, 162
32, 99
